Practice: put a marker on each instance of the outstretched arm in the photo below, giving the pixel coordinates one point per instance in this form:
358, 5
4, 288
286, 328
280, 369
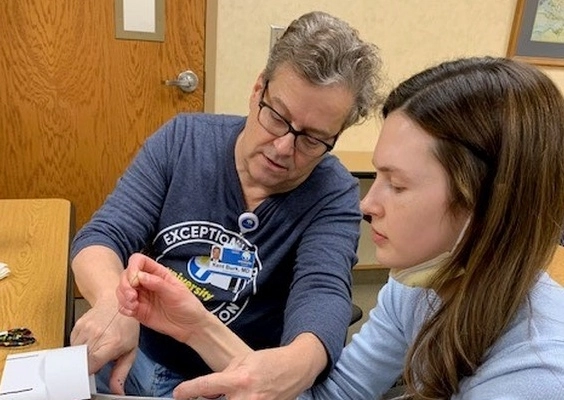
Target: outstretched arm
280, 373
150, 293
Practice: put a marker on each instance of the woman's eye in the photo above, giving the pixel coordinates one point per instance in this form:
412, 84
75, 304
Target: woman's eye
396, 188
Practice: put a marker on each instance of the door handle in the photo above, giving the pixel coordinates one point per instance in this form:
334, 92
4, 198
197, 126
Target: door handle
187, 81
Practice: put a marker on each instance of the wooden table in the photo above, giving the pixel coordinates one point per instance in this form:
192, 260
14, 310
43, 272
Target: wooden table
359, 163
35, 237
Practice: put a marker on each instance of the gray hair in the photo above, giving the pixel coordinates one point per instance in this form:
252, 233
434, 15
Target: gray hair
326, 50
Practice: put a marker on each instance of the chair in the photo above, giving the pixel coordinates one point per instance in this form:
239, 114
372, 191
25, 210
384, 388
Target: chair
356, 314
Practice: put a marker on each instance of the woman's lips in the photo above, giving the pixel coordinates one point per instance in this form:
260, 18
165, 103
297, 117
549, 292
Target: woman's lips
378, 238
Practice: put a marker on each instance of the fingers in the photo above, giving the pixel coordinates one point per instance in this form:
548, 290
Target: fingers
98, 356
102, 348
130, 298
120, 371
88, 331
135, 264
164, 288
140, 262
208, 386
95, 363
75, 334
126, 291
127, 296
139, 267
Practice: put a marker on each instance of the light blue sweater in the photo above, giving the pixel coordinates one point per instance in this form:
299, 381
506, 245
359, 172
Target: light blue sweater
527, 362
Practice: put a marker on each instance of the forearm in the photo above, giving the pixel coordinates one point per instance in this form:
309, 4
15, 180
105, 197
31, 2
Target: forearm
274, 373
97, 272
309, 356
218, 346
216, 343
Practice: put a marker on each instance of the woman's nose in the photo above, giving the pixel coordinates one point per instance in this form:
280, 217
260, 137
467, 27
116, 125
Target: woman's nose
370, 206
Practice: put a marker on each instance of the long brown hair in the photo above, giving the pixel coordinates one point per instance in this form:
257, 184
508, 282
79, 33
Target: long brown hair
499, 126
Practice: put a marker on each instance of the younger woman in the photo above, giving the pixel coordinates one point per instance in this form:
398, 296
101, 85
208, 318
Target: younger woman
466, 211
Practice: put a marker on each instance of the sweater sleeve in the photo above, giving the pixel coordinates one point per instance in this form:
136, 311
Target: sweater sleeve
373, 360
320, 294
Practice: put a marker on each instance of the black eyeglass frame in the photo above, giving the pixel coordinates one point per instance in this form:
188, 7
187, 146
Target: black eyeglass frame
291, 129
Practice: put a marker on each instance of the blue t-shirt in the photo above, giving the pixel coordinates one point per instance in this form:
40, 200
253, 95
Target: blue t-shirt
181, 196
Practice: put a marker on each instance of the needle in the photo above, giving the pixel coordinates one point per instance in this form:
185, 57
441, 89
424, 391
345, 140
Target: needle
16, 391
111, 320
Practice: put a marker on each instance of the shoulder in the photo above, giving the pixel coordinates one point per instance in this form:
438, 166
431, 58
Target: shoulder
406, 306
331, 166
547, 302
538, 323
189, 130
541, 317
190, 122
530, 351
330, 178
531, 371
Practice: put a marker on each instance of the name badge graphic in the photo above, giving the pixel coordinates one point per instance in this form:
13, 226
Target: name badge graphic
235, 263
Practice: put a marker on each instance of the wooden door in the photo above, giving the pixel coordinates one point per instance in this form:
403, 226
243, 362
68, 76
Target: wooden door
76, 103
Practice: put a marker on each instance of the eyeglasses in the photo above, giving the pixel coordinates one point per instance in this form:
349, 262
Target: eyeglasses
16, 337
278, 126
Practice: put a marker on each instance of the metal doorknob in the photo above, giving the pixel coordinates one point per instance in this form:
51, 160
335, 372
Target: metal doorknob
187, 81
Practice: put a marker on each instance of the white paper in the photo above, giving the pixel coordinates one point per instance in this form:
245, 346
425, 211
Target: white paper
139, 16
57, 374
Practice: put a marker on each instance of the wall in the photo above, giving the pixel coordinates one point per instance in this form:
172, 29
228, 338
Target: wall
412, 35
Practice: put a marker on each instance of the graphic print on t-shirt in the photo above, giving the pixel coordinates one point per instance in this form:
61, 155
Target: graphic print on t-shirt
230, 266
232, 271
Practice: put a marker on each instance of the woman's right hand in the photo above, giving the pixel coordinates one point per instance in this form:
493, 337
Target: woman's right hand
149, 292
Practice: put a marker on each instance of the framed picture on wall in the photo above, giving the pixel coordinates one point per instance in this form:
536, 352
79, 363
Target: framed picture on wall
537, 34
